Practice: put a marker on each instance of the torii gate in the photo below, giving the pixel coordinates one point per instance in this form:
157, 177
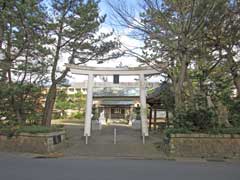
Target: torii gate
91, 71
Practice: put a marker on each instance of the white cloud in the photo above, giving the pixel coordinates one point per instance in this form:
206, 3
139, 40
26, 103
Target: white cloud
128, 43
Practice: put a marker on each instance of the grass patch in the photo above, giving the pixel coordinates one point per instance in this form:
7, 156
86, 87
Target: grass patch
232, 130
32, 129
169, 131
38, 129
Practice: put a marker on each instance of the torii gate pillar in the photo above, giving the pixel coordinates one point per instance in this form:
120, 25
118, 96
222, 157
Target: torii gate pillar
88, 114
143, 106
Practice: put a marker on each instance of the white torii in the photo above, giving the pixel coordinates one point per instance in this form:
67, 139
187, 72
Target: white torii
91, 71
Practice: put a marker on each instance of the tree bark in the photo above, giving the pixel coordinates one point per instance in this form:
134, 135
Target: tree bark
223, 114
179, 86
51, 96
49, 104
16, 110
190, 93
19, 115
178, 97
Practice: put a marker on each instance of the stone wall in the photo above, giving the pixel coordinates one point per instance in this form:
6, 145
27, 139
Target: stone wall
33, 143
204, 145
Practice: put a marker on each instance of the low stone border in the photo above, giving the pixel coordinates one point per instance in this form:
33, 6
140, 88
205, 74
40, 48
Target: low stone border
33, 143
204, 145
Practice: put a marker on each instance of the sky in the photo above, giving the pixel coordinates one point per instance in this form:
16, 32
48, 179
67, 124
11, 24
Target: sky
123, 34
119, 31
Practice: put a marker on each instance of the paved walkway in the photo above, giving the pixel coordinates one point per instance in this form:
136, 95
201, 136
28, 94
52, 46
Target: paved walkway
129, 143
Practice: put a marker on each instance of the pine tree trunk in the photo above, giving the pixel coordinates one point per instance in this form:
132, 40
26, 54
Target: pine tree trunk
49, 105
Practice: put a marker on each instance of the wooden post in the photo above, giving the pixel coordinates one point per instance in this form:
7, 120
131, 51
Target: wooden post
150, 119
155, 119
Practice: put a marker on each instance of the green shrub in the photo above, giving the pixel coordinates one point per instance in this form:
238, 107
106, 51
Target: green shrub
169, 131
35, 118
234, 115
79, 115
8, 131
26, 100
195, 119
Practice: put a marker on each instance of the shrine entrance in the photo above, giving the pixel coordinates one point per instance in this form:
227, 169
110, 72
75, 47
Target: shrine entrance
115, 100
119, 112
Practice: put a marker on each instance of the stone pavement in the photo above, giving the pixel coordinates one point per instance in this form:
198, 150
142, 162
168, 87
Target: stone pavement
129, 143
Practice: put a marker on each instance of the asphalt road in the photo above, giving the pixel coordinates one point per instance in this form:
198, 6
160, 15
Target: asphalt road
21, 168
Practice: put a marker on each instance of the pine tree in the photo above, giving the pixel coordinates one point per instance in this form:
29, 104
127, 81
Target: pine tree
23, 56
75, 25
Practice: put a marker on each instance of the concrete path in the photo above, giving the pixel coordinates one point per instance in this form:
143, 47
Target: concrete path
129, 143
